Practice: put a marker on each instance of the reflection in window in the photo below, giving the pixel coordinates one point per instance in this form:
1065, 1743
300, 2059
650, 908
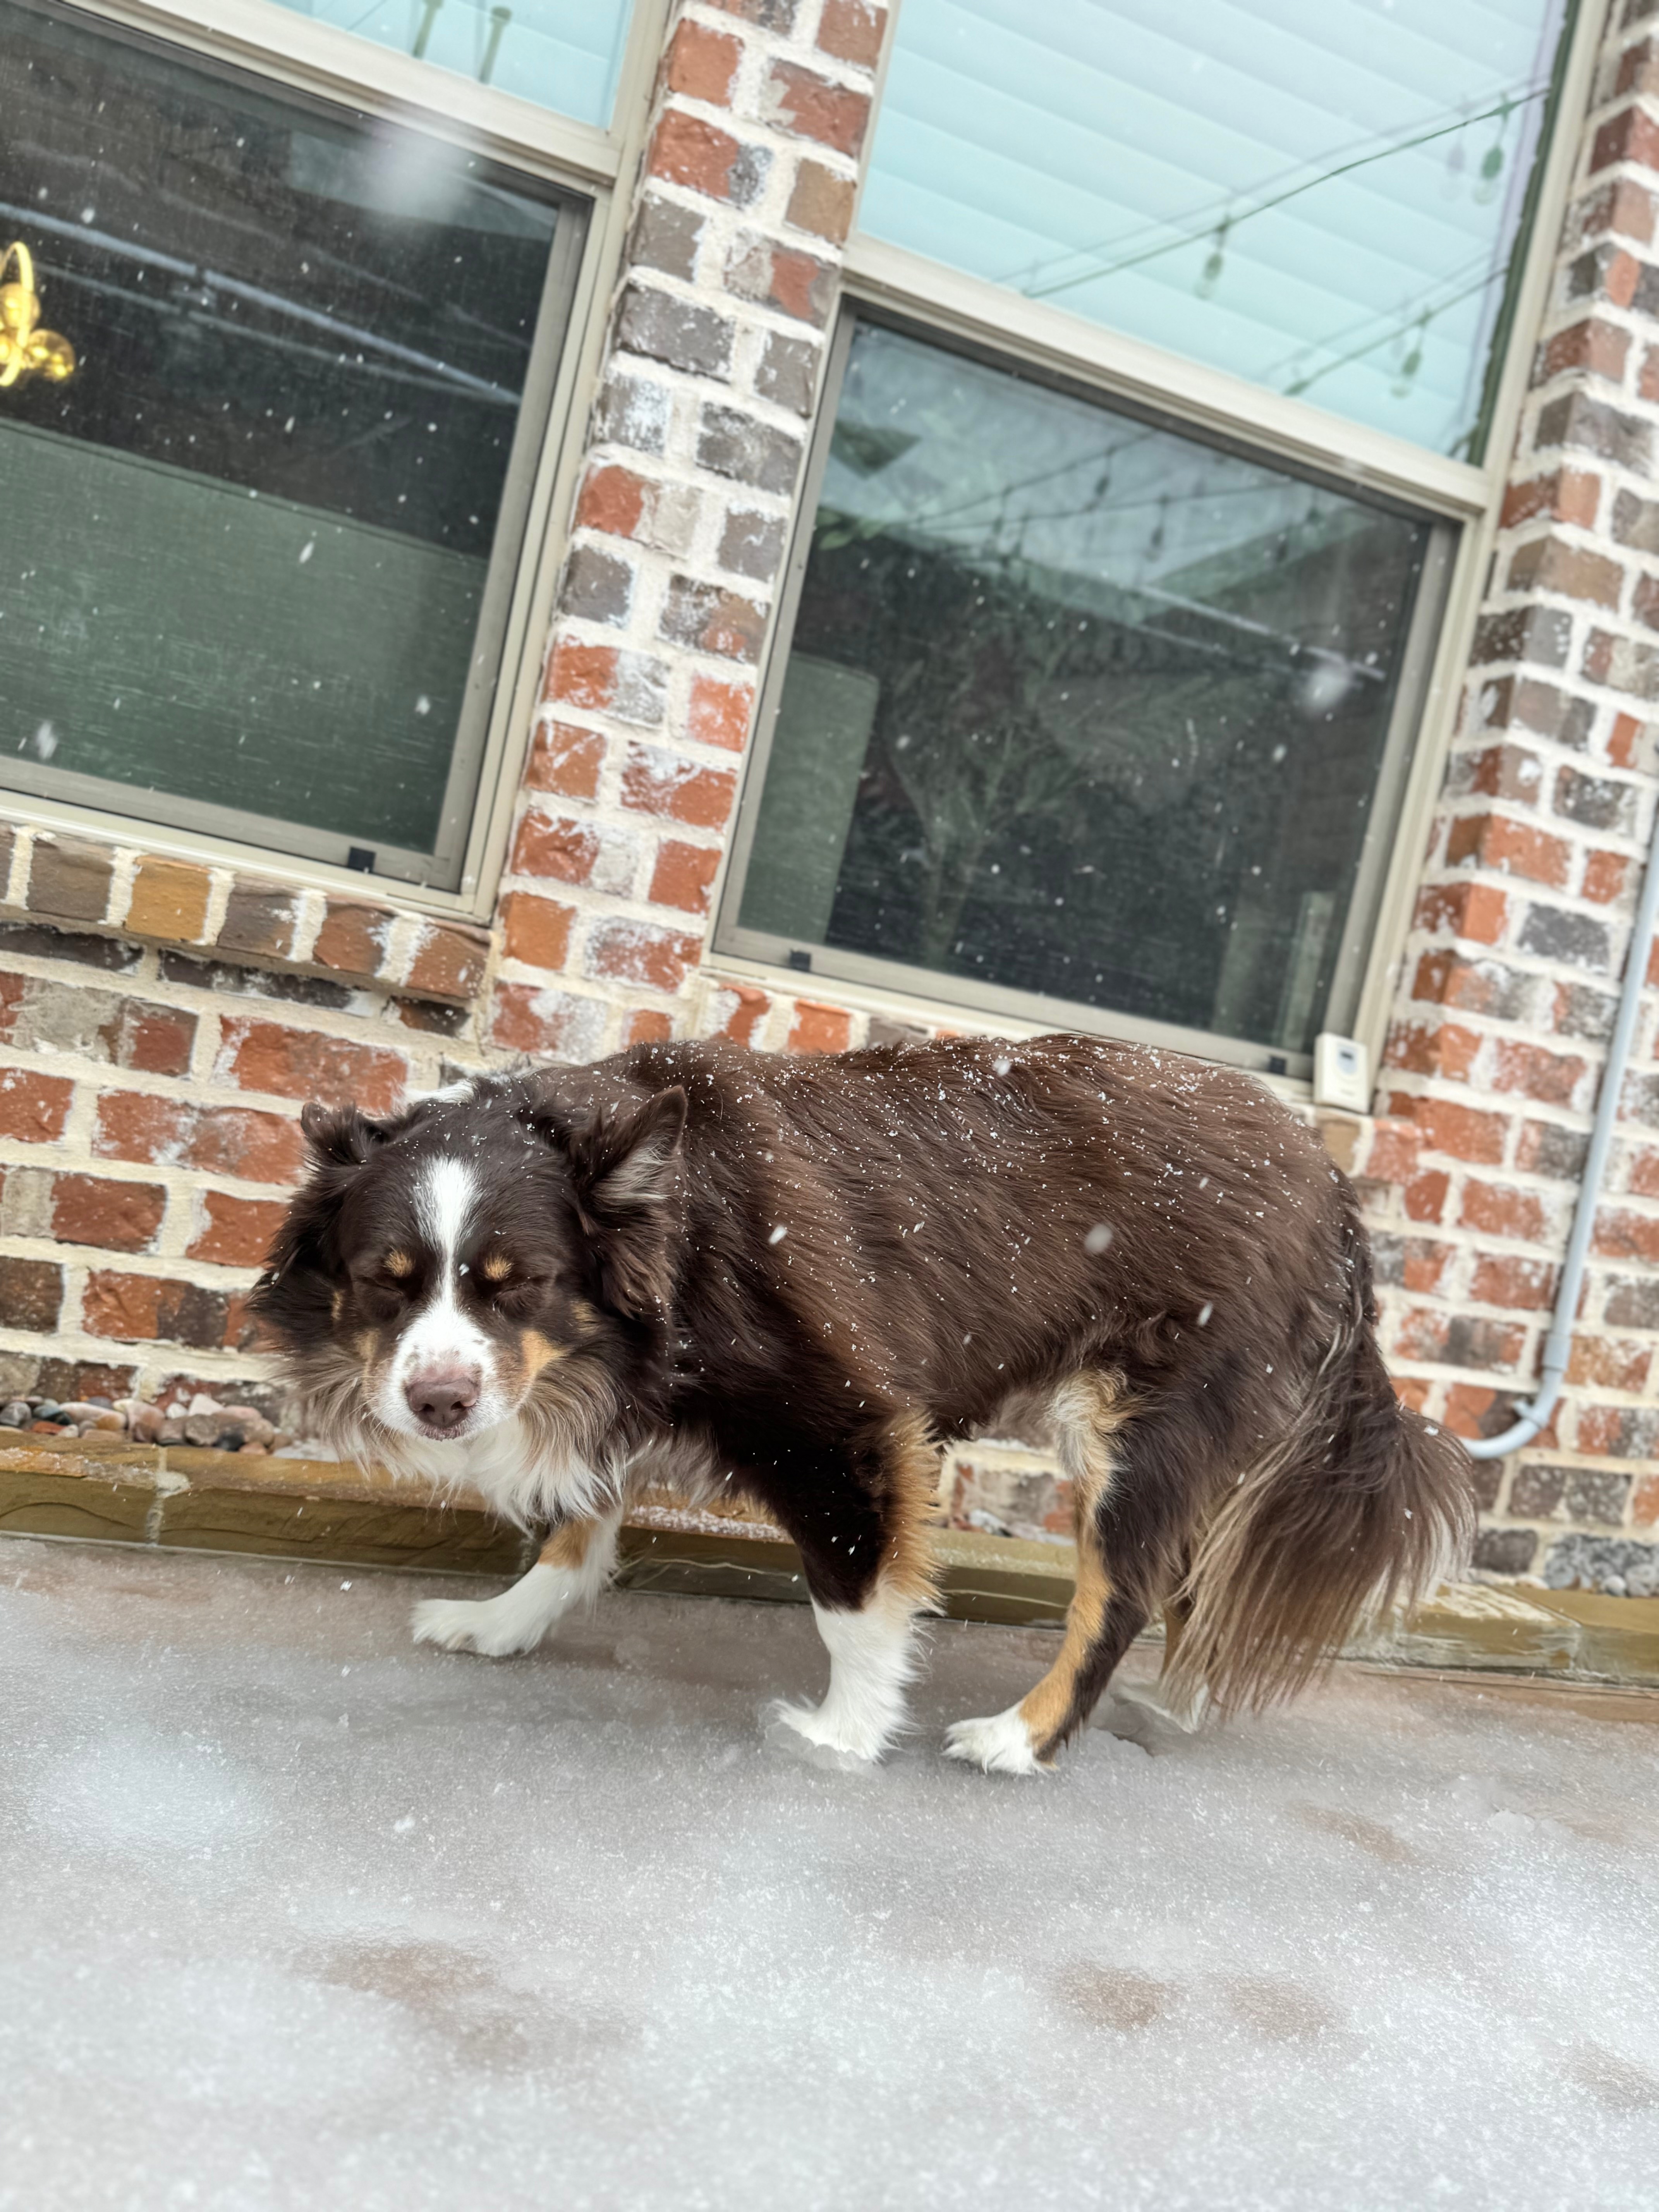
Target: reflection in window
248, 541
562, 54
1077, 706
1325, 200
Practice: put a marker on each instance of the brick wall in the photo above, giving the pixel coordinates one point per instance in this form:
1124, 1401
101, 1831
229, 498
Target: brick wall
1522, 925
160, 1023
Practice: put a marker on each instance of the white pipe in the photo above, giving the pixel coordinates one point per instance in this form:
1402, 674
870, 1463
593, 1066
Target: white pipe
1534, 1417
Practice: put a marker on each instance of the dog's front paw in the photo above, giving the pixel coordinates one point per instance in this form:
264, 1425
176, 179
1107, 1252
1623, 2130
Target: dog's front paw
793, 1727
463, 1624
1001, 1744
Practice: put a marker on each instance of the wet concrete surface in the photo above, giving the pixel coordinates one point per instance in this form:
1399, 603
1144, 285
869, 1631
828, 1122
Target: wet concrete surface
293, 1914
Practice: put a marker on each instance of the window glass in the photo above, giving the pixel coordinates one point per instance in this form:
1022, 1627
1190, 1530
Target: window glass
1079, 706
1323, 196
562, 54
246, 571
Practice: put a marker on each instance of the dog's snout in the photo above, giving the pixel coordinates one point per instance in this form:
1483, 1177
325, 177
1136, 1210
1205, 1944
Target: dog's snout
441, 1397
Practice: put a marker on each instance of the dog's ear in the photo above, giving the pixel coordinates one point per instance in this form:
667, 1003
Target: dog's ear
620, 1162
344, 1136
621, 1172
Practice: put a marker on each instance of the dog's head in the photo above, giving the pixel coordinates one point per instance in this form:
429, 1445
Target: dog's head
480, 1255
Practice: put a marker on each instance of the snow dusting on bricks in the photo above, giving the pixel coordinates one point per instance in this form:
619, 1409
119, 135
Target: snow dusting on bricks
1522, 924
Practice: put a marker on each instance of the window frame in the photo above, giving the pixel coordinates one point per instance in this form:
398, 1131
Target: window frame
1462, 499
287, 52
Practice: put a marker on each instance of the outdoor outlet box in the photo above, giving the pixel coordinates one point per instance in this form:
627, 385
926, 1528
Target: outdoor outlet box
1342, 1075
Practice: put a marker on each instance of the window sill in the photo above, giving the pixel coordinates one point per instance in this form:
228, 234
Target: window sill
120, 891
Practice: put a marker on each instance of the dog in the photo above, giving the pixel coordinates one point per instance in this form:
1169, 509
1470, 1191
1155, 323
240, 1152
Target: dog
793, 1279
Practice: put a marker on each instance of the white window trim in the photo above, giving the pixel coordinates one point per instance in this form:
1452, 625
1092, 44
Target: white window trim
1256, 420
287, 49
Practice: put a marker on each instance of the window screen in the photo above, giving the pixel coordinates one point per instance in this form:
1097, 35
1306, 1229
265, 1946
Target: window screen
1323, 196
1077, 706
251, 576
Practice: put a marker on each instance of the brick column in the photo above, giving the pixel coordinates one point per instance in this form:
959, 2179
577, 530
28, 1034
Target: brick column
1510, 977
715, 345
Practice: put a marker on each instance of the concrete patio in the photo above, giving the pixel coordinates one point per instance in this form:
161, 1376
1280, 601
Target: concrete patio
296, 1915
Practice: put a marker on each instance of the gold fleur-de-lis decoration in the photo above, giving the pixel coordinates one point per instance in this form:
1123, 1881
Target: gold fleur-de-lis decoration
25, 349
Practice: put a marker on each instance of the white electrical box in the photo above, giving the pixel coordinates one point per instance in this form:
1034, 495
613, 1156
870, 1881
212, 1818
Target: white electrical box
1342, 1073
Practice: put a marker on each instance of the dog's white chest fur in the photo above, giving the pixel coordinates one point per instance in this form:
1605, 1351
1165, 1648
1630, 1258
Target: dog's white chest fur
510, 1468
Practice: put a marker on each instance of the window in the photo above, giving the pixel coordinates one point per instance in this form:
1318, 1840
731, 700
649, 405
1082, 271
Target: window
563, 54
1080, 708
1142, 530
261, 544
1325, 199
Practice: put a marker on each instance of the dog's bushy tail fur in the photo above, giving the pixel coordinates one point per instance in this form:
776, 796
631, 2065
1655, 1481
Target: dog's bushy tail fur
1362, 1503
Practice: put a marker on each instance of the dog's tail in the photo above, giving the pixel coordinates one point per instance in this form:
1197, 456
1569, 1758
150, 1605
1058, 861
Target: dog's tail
1363, 1503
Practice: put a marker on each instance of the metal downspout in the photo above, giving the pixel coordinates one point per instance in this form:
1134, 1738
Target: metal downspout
1534, 1417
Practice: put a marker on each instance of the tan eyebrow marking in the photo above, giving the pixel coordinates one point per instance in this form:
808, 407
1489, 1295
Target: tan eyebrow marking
400, 1263
497, 1267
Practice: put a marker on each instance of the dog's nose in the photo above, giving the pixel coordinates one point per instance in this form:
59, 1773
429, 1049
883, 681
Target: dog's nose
443, 1396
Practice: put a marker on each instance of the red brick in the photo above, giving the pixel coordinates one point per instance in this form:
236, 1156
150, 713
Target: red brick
699, 156
638, 952
720, 712
1567, 495
236, 1232
550, 845
1604, 877
1413, 1390
1622, 1235
1463, 1131
1550, 1077
1630, 135
240, 1140
1504, 1279
646, 1026
582, 675
811, 107
1609, 1363
794, 283
1432, 1048
31, 1294
1501, 771
34, 1108
851, 30
683, 875
566, 760
1642, 1176
1445, 978
701, 64
352, 939
122, 1216
656, 782
1644, 1505
1393, 1155
450, 960
819, 1028
1623, 740
263, 1055
1424, 1265
536, 930
1619, 1432
748, 1009
1502, 1213
138, 1309
133, 1126
156, 1040
1620, 205
1477, 911
1599, 347
525, 1018
1493, 840
1425, 1195
1470, 1409
613, 500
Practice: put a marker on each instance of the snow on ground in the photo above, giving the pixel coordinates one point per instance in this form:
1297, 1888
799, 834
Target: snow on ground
293, 1914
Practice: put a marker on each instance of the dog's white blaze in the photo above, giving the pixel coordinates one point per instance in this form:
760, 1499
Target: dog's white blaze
871, 1661
1001, 1744
518, 1620
440, 1335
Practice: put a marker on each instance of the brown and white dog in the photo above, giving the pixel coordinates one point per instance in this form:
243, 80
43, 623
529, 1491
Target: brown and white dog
794, 1279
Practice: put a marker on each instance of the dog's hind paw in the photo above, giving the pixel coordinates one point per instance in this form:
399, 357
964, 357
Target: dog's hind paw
1001, 1744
